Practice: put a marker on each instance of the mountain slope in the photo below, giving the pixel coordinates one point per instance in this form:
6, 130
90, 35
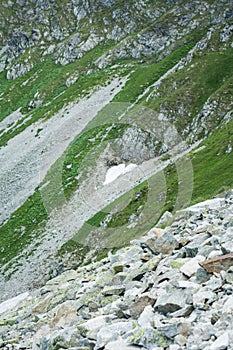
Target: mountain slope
170, 289
86, 86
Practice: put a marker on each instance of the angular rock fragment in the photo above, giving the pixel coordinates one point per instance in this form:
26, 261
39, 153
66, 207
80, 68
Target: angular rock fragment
138, 306
173, 300
191, 267
223, 262
113, 290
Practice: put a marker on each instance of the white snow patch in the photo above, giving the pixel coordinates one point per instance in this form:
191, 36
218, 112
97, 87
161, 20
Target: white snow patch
11, 303
114, 172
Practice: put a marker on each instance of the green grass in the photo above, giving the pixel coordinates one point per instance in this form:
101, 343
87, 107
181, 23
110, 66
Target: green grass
213, 167
138, 197
24, 225
146, 74
76, 251
146, 208
207, 76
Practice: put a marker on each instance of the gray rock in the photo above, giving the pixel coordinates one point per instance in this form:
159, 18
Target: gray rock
138, 273
166, 218
149, 338
184, 312
111, 333
202, 275
140, 304
169, 330
173, 300
221, 343
146, 317
118, 279
166, 244
18, 70
229, 275
119, 344
191, 267
125, 256
137, 145
203, 297
196, 244
180, 339
114, 290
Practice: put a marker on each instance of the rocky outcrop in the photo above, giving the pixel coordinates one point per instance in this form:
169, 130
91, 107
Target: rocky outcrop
154, 294
137, 145
75, 27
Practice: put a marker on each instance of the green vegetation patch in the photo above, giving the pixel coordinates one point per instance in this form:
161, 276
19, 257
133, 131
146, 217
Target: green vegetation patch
213, 165
184, 93
24, 225
144, 75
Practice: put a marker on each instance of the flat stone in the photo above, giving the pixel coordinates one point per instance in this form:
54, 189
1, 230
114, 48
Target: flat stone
193, 247
138, 306
229, 276
118, 279
146, 317
137, 273
166, 243
119, 344
169, 330
180, 339
125, 256
111, 333
95, 323
174, 347
186, 284
202, 275
221, 343
117, 267
113, 290
184, 312
13, 302
43, 304
65, 313
191, 267
69, 275
156, 232
228, 305
173, 300
222, 262
203, 297
149, 338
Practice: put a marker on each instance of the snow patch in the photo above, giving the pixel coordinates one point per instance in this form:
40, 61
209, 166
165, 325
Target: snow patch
114, 172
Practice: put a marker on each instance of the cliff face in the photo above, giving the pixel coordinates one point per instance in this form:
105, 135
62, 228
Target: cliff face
89, 86
68, 29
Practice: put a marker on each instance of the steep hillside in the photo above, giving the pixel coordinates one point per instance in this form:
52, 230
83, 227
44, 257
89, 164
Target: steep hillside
94, 89
170, 289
